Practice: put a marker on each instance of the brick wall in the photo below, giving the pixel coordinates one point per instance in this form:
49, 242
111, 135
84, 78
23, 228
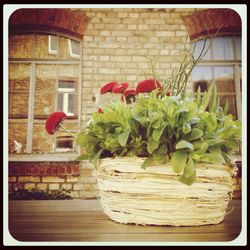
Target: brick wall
113, 48
74, 177
116, 42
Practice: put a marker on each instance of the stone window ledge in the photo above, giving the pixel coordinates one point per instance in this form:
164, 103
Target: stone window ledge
43, 157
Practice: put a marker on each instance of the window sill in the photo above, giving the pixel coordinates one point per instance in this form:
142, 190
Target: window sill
57, 157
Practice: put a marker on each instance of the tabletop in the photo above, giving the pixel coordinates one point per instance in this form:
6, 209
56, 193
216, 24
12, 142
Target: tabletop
84, 221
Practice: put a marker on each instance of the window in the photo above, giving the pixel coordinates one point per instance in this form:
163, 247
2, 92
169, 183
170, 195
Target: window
53, 44
64, 143
74, 48
66, 97
39, 84
221, 64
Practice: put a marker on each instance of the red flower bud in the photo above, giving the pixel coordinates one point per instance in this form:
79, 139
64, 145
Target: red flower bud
100, 110
147, 86
53, 121
168, 93
129, 94
108, 87
120, 88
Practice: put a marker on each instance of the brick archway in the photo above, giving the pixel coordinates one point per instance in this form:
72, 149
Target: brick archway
206, 22
48, 20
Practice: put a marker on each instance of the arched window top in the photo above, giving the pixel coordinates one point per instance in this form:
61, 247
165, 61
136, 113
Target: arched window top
62, 21
205, 23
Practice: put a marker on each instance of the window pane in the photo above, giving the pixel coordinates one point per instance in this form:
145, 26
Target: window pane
223, 48
224, 79
44, 90
71, 104
19, 79
197, 48
66, 84
201, 77
54, 43
17, 135
238, 47
60, 102
64, 142
75, 47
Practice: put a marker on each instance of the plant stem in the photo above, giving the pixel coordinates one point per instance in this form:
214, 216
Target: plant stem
67, 131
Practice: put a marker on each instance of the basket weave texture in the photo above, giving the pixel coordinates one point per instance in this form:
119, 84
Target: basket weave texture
154, 196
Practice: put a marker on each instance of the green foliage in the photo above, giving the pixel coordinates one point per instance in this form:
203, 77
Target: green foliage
179, 129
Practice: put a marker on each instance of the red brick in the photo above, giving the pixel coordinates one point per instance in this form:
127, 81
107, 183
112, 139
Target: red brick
49, 19
43, 168
209, 21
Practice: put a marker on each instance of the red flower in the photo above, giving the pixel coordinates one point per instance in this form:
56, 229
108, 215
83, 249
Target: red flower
168, 93
53, 122
100, 110
129, 95
147, 86
108, 87
120, 88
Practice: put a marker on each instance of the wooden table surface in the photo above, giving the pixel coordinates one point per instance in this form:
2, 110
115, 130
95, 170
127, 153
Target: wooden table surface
84, 221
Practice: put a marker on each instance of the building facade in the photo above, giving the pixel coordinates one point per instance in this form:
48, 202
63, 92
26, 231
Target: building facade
60, 58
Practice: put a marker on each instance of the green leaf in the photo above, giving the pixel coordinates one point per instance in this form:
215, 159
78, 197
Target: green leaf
206, 98
213, 142
83, 157
198, 97
184, 144
186, 128
203, 148
178, 161
190, 167
123, 137
83, 139
225, 110
213, 158
212, 103
98, 154
152, 145
158, 132
147, 162
188, 180
196, 133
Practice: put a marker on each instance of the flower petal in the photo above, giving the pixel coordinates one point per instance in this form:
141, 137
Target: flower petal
147, 86
120, 88
108, 87
53, 121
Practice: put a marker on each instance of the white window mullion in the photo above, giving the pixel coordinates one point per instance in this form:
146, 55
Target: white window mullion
31, 107
65, 102
238, 92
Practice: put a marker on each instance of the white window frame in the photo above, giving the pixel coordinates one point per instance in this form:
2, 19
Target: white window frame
58, 149
51, 51
66, 92
70, 50
235, 64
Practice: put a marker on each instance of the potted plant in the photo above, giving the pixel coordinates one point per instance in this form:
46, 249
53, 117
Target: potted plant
162, 157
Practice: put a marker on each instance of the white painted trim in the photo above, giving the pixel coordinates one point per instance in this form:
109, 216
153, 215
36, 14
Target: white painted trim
51, 51
43, 157
31, 108
70, 50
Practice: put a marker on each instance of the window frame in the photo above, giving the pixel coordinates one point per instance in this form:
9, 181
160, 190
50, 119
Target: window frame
31, 118
50, 50
73, 55
235, 64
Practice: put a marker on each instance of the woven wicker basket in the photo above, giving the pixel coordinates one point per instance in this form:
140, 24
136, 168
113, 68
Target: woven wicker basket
154, 196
